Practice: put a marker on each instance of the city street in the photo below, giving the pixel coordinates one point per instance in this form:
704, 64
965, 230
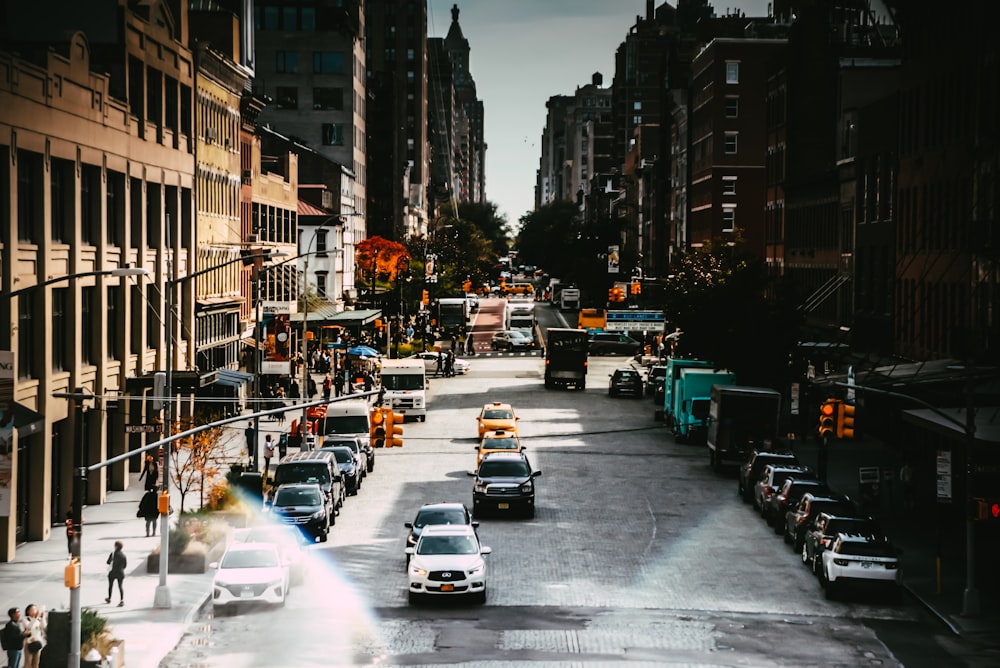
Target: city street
637, 553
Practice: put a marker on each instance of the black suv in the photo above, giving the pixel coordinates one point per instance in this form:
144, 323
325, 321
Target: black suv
788, 497
303, 506
315, 467
504, 480
436, 513
625, 381
754, 465
655, 377
772, 478
347, 462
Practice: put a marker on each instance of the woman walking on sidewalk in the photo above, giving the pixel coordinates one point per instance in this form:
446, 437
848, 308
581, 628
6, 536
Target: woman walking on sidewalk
149, 510
35, 626
118, 564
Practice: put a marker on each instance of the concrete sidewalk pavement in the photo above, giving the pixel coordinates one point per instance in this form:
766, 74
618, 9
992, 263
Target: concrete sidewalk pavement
36, 574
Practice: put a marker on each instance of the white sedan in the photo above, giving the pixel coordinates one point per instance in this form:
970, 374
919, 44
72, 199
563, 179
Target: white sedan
447, 561
431, 364
249, 573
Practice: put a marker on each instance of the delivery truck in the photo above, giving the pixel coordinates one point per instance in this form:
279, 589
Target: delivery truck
404, 387
668, 410
740, 418
692, 399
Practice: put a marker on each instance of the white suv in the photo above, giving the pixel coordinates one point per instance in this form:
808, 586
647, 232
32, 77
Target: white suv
447, 561
857, 559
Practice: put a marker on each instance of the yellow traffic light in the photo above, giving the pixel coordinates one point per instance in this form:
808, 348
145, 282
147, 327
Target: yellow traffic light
828, 417
376, 431
845, 421
393, 429
636, 288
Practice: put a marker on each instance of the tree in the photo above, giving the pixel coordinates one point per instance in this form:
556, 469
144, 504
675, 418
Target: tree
379, 257
197, 460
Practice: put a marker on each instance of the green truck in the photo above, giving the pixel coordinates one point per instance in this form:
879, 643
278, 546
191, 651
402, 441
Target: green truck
693, 400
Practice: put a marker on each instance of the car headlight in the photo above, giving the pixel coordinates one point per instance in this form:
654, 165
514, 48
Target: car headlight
317, 515
477, 569
479, 487
527, 486
275, 583
419, 572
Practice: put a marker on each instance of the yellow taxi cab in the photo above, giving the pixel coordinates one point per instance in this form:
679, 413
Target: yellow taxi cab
498, 441
495, 416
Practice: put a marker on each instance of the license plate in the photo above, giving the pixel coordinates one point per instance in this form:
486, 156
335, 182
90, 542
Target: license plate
246, 593
866, 564
503, 506
447, 587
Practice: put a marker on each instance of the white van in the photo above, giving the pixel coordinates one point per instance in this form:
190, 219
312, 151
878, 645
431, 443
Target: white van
350, 417
404, 386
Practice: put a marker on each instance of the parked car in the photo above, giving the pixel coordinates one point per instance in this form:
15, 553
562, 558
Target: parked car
447, 561
249, 573
473, 300
497, 415
350, 467
655, 377
772, 478
800, 520
625, 381
511, 339
504, 481
290, 542
788, 497
611, 343
312, 466
362, 449
303, 506
430, 359
436, 513
859, 560
825, 529
752, 466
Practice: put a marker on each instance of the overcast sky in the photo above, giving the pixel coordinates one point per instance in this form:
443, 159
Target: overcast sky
522, 52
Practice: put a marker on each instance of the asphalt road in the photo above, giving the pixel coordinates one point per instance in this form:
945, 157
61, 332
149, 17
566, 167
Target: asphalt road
637, 554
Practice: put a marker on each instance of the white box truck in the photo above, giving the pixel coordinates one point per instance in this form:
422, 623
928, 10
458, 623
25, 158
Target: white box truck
404, 385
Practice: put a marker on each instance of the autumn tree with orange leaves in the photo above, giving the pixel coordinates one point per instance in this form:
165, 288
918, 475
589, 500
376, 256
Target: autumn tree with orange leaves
380, 258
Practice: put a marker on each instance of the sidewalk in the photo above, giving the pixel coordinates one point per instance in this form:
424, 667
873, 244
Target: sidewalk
36, 574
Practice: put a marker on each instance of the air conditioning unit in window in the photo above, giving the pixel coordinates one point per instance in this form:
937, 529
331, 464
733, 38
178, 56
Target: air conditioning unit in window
210, 134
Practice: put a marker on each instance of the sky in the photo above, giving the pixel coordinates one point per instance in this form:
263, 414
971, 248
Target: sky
522, 52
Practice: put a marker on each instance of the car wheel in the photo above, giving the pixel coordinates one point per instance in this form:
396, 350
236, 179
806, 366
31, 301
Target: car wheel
324, 536
832, 591
787, 536
530, 511
414, 598
805, 553
480, 597
657, 415
333, 519
797, 543
814, 565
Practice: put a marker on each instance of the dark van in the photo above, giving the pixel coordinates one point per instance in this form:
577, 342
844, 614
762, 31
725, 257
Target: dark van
315, 467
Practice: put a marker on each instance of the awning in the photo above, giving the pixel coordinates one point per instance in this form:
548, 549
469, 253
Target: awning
232, 378
354, 318
27, 421
321, 313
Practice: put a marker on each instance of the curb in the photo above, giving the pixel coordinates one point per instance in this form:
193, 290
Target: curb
942, 617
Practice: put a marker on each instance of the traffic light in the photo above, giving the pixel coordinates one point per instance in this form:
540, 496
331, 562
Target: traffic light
393, 429
616, 295
845, 421
425, 298
376, 430
636, 288
828, 412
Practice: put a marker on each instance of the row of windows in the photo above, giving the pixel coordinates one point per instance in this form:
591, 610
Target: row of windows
219, 194
323, 62
323, 99
274, 225
121, 207
217, 123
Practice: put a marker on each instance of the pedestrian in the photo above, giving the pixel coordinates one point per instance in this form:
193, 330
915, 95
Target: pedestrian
34, 627
437, 363
70, 531
116, 571
369, 381
280, 403
149, 510
449, 364
12, 637
311, 387
470, 347
282, 446
151, 472
293, 390
906, 479
338, 383
251, 436
327, 386
268, 453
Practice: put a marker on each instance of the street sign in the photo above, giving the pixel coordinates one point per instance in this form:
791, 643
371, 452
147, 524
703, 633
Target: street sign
943, 465
143, 428
634, 320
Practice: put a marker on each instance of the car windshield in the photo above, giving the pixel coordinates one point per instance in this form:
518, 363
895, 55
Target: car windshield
317, 472
872, 549
439, 516
849, 525
250, 559
297, 496
518, 334
343, 455
403, 382
497, 414
500, 444
446, 545
347, 424
510, 469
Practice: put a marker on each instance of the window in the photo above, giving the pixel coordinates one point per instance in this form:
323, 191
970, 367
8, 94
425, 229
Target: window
270, 19
287, 61
289, 18
732, 73
321, 283
732, 107
308, 19
63, 200
728, 219
410, 54
731, 143
333, 134
328, 62
410, 77
114, 229
637, 120
59, 327
87, 325
637, 106
321, 241
328, 98
287, 97
90, 204
114, 322
29, 196
26, 336
728, 186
